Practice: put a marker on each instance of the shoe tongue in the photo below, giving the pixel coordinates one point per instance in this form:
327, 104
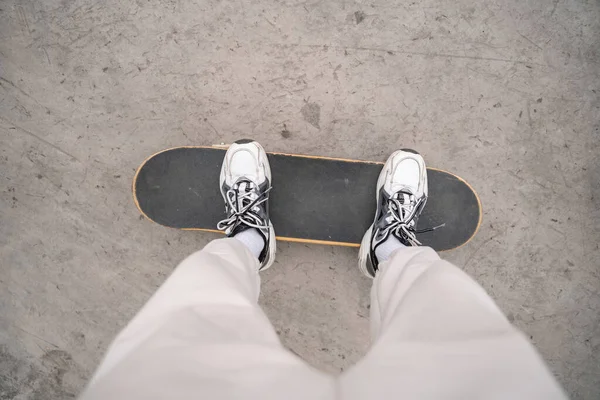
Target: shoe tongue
405, 198
246, 186
403, 195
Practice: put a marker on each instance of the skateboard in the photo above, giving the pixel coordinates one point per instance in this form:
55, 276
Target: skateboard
314, 199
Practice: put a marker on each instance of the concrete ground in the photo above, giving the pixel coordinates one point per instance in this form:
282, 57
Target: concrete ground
503, 93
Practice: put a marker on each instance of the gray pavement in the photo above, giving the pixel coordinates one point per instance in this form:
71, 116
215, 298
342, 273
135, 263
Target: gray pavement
503, 93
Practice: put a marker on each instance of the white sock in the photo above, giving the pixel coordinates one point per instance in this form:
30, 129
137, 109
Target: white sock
385, 249
252, 240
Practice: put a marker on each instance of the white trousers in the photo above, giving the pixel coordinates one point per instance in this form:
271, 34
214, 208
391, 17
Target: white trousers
436, 335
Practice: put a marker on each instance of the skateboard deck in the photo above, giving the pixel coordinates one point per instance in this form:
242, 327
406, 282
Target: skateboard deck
313, 200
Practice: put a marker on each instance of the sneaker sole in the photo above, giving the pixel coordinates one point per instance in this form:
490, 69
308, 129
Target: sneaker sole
363, 253
272, 248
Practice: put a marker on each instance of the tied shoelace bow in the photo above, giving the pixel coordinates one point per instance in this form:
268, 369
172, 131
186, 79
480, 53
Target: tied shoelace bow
401, 217
242, 206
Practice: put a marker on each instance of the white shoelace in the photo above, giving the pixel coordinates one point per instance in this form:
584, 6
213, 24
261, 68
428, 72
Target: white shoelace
243, 200
401, 215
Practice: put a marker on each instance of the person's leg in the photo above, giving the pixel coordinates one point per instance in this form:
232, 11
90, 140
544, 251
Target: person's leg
436, 333
202, 335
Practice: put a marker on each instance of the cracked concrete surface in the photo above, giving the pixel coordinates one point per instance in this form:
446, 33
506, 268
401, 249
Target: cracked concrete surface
503, 93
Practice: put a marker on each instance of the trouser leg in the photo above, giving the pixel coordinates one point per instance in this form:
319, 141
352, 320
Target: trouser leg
438, 335
203, 335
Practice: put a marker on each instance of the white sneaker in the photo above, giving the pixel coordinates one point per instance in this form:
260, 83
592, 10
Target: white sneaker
401, 196
245, 184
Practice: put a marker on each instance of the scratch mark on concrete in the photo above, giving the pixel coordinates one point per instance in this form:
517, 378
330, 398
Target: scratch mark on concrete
529, 121
554, 7
80, 37
23, 19
477, 250
15, 86
270, 23
47, 57
212, 126
415, 53
529, 40
33, 135
36, 336
24, 93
